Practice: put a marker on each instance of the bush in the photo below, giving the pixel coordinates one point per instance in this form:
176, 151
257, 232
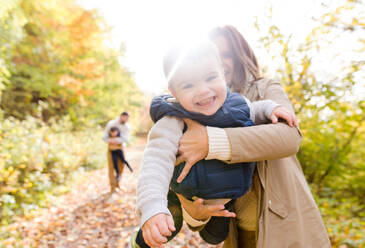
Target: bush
35, 157
344, 229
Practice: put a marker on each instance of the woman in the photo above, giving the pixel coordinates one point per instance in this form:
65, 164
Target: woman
279, 210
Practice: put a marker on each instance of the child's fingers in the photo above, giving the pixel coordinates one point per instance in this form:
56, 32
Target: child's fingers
290, 118
157, 237
164, 228
292, 121
274, 119
170, 223
295, 122
286, 116
148, 238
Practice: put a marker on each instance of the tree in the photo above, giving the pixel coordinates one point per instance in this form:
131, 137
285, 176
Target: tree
331, 112
60, 60
12, 20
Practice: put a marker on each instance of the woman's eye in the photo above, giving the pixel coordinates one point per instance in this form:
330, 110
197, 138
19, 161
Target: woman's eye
226, 55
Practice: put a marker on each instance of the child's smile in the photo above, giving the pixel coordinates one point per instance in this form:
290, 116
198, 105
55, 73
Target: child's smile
200, 87
207, 101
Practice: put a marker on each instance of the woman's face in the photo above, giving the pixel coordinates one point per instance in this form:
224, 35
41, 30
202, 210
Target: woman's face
226, 55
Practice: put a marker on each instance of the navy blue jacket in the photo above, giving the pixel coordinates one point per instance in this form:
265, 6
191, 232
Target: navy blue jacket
210, 179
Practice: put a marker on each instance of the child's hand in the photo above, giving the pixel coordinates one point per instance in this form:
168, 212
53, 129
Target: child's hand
156, 228
280, 112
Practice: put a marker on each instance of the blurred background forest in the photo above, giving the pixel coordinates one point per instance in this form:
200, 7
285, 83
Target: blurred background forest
60, 83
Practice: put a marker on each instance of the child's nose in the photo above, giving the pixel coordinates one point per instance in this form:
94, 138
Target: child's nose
202, 88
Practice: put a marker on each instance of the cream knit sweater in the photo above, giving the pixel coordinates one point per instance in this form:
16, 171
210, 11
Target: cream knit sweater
160, 155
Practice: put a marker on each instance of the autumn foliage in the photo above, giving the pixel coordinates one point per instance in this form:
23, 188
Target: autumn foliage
61, 81
58, 81
59, 59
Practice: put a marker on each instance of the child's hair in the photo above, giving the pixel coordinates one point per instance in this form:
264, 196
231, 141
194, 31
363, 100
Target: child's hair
113, 129
246, 67
179, 56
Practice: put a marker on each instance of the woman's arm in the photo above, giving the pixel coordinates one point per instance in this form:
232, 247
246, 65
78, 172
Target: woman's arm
247, 144
251, 143
265, 142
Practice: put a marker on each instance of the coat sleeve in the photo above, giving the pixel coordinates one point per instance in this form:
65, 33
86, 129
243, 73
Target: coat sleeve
157, 167
265, 142
124, 135
261, 111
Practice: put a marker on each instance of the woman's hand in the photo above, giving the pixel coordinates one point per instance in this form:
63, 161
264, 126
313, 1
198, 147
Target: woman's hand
283, 113
201, 212
193, 146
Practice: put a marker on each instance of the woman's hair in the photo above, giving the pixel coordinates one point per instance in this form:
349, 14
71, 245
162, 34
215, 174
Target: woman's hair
245, 62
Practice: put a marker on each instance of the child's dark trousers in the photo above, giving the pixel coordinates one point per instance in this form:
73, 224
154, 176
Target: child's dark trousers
214, 232
119, 154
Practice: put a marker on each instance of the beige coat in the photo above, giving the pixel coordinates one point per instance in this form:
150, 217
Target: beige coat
288, 214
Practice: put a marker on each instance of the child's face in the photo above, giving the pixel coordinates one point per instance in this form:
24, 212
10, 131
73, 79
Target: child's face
113, 133
199, 86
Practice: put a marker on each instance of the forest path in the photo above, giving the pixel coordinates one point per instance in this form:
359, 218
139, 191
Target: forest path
89, 216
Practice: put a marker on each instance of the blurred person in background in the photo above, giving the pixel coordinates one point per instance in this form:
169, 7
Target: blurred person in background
116, 143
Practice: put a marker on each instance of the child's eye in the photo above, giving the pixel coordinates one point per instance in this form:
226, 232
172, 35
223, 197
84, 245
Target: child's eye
210, 78
187, 86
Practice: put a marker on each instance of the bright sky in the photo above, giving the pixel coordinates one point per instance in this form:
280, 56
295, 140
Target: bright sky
148, 28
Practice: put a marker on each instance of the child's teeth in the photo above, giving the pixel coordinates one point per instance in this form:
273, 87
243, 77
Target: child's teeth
208, 100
